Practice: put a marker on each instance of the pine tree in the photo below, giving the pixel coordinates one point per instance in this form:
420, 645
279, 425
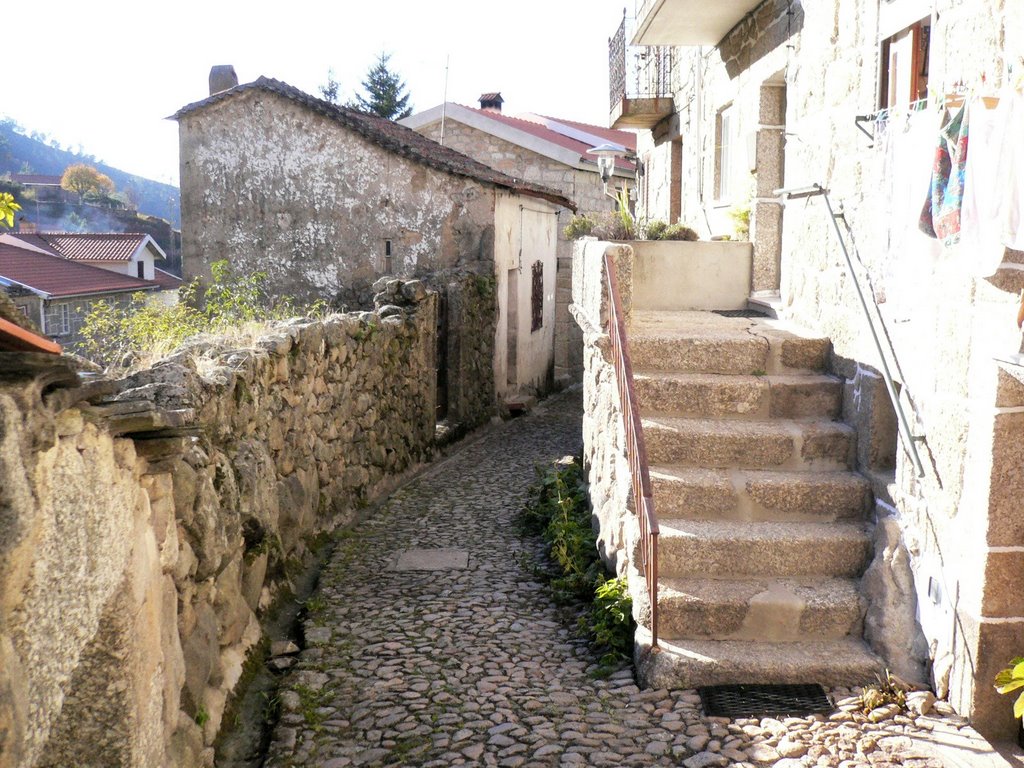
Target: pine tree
329, 90
386, 93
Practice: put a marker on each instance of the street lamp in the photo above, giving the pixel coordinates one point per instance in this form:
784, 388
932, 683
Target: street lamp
606, 155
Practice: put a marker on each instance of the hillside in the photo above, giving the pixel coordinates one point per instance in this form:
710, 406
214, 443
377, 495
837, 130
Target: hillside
24, 154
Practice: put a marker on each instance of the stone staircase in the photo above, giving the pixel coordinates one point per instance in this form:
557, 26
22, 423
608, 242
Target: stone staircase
763, 523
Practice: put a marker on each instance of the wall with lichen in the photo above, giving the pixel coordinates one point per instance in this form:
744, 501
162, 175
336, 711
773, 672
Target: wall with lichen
794, 76
270, 185
147, 524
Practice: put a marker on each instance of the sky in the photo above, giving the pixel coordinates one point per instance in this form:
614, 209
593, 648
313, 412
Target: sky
106, 75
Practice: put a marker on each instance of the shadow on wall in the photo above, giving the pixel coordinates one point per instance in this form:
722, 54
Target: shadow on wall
768, 27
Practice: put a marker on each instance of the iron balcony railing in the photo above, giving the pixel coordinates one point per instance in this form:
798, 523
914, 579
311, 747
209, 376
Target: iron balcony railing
636, 450
639, 71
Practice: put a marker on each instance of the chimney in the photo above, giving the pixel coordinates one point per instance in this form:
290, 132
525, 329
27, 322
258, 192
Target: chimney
491, 102
222, 77
26, 227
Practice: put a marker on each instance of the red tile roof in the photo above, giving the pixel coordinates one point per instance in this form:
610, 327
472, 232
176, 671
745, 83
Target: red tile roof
166, 280
87, 246
622, 138
58, 277
391, 136
14, 338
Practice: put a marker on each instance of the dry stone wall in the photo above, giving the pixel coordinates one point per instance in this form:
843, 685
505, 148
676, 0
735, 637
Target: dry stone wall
147, 524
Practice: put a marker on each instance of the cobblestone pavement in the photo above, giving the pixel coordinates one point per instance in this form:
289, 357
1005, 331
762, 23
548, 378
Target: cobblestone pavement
475, 666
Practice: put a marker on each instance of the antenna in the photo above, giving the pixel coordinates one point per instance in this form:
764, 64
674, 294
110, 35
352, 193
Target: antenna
444, 101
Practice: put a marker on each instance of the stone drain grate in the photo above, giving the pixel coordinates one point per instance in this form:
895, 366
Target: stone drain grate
763, 700
751, 313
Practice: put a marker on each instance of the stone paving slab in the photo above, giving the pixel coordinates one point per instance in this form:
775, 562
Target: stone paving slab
476, 665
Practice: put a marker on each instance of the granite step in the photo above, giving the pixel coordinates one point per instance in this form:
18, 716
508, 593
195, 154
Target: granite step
712, 548
694, 663
756, 495
740, 444
702, 342
702, 395
771, 610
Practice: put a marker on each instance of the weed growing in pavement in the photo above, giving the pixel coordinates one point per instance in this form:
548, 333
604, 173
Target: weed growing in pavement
559, 513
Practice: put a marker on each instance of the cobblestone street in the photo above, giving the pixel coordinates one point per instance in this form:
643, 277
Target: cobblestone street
437, 659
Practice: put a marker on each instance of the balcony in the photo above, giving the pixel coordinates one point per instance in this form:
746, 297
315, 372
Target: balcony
688, 22
642, 81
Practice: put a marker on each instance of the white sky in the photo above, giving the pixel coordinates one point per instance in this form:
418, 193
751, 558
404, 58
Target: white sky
106, 74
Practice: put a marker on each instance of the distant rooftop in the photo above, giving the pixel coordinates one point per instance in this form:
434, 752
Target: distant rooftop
90, 246
389, 135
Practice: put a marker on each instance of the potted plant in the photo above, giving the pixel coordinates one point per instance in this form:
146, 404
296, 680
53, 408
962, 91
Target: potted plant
1009, 680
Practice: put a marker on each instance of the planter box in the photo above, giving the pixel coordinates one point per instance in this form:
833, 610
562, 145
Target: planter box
680, 275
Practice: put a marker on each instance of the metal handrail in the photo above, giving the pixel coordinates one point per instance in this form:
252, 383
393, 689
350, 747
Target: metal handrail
636, 450
905, 432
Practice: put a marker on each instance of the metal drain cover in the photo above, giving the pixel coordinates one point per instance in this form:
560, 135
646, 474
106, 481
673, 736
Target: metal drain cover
752, 313
763, 700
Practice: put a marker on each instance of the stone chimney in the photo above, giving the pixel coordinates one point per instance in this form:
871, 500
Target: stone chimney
491, 102
222, 77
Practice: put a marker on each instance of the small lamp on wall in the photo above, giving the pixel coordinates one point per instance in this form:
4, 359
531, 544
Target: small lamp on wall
606, 155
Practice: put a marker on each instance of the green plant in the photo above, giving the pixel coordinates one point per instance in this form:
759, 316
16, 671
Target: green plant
1010, 680
7, 209
610, 624
740, 215
580, 225
623, 213
888, 690
679, 232
120, 333
202, 716
654, 230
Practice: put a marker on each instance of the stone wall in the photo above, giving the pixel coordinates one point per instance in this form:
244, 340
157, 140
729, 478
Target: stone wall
604, 458
582, 186
948, 552
147, 524
271, 185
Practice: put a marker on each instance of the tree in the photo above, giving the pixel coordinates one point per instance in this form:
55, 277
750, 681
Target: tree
329, 90
386, 94
82, 178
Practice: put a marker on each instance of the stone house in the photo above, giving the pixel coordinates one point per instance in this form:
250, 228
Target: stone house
57, 293
326, 200
747, 97
544, 150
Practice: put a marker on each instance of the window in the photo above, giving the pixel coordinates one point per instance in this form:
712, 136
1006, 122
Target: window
724, 151
142, 270
537, 297
904, 65
24, 310
57, 319
388, 262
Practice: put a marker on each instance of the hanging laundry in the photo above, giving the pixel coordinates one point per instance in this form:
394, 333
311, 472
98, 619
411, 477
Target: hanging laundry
981, 232
1011, 183
940, 217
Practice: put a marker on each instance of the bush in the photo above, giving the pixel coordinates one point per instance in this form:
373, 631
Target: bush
580, 225
120, 334
679, 232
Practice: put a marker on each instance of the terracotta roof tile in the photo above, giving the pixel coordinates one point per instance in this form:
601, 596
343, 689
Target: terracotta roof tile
59, 277
87, 246
391, 136
166, 280
534, 128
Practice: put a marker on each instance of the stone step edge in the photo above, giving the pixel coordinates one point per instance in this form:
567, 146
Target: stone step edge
734, 482
791, 608
695, 663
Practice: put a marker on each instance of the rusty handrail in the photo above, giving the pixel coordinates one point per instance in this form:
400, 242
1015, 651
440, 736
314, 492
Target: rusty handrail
636, 450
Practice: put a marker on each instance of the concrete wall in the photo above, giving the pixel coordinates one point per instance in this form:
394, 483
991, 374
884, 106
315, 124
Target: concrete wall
147, 525
680, 275
952, 530
526, 234
270, 185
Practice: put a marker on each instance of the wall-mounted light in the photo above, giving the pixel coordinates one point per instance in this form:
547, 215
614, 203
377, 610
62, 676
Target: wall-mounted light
606, 155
